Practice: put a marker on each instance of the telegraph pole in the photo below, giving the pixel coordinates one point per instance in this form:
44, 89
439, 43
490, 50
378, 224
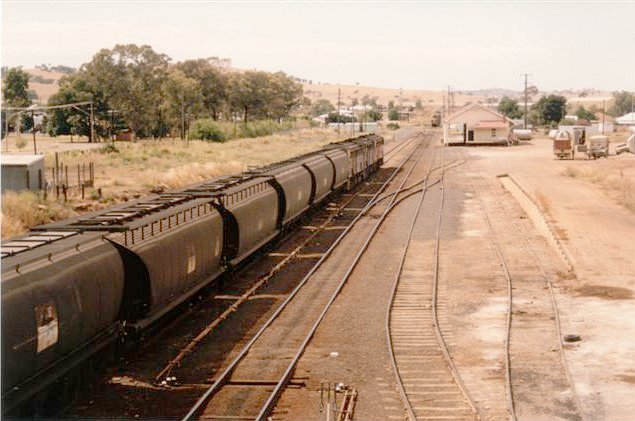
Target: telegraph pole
92, 122
339, 92
603, 114
182, 116
526, 75
33, 131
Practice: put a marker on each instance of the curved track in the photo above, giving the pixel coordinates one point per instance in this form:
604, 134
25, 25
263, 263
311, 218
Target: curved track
429, 383
531, 302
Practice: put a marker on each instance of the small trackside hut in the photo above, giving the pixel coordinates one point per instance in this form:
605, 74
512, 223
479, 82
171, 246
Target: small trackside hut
475, 124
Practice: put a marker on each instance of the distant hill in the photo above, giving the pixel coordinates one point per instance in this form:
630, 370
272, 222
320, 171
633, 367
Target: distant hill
44, 82
495, 92
408, 97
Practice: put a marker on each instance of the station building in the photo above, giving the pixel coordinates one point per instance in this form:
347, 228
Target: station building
476, 124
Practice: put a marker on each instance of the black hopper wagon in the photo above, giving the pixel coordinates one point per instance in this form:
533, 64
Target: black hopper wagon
76, 288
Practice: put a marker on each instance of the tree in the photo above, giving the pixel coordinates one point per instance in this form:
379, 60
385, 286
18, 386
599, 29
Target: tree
623, 103
15, 87
393, 114
372, 115
321, 106
250, 92
549, 109
585, 114
286, 95
509, 107
213, 84
339, 118
59, 121
418, 104
181, 96
129, 79
15, 93
531, 91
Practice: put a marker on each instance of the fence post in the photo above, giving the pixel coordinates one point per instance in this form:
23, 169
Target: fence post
40, 181
28, 182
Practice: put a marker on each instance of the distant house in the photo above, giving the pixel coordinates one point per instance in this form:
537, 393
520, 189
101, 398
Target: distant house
604, 123
125, 135
626, 119
476, 124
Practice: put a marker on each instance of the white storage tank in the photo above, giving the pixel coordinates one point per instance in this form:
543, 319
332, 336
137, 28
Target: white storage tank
22, 172
523, 134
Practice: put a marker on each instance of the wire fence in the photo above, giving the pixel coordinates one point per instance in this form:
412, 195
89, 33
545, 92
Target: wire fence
73, 180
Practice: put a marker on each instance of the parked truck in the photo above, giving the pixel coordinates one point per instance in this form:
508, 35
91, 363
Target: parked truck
598, 146
569, 141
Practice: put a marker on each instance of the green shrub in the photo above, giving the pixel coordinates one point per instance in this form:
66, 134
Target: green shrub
392, 126
393, 114
207, 129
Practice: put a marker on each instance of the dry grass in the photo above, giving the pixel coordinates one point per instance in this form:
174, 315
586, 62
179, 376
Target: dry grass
136, 169
22, 210
616, 181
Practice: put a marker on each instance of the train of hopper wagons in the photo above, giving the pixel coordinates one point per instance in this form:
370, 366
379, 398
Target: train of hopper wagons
74, 287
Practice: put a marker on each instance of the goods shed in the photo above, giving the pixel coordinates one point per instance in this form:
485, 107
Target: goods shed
22, 172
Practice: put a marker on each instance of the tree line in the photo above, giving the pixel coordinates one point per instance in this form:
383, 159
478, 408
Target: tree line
140, 89
553, 108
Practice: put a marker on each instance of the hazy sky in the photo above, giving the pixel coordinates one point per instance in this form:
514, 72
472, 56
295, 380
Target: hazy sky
469, 45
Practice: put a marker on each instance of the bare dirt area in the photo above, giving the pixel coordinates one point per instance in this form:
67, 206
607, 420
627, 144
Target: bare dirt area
593, 217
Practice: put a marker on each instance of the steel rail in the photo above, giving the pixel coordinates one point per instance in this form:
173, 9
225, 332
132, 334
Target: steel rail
556, 311
402, 391
454, 371
230, 368
553, 300
209, 328
509, 391
401, 145
273, 396
435, 321
413, 185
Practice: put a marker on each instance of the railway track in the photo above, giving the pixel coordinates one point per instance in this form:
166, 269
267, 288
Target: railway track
262, 281
429, 383
251, 383
536, 371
